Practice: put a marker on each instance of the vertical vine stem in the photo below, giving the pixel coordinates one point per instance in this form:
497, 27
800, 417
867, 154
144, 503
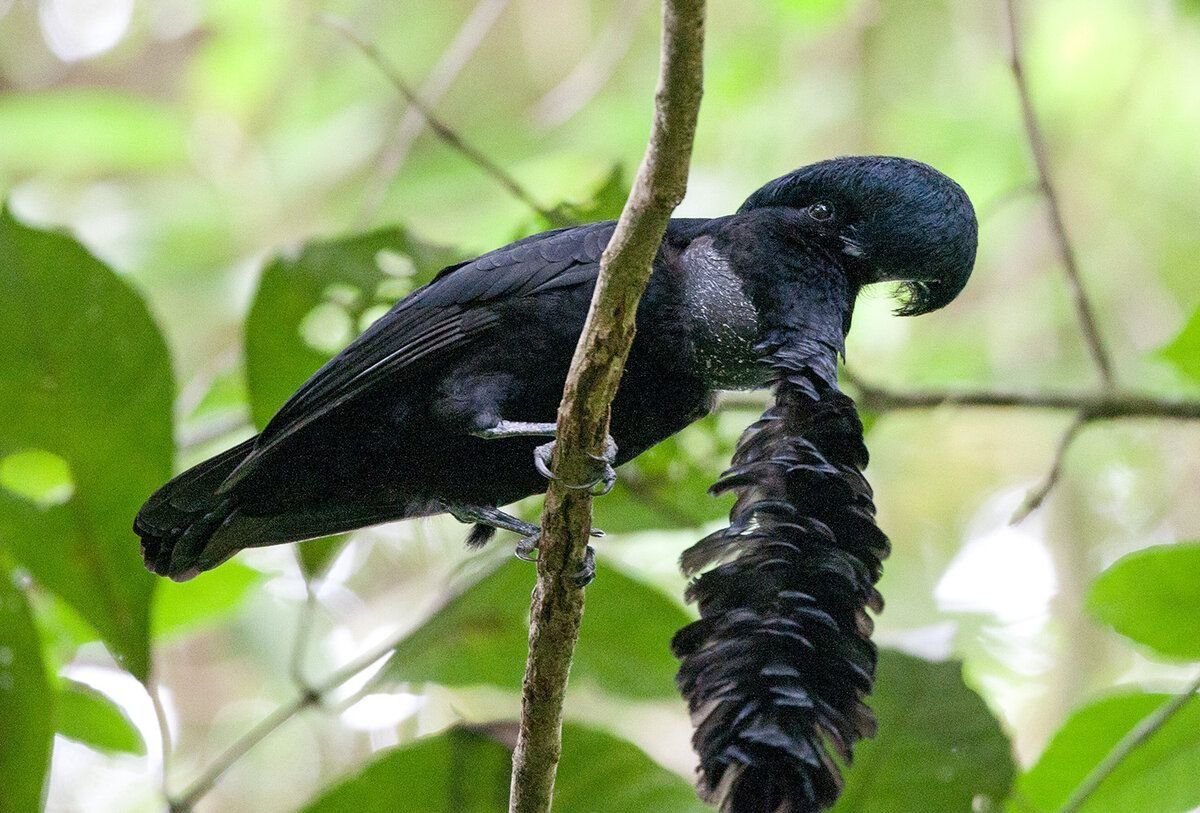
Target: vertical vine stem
1037, 145
557, 604
1137, 735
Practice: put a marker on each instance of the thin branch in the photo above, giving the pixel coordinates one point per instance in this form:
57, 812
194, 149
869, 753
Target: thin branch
1138, 735
154, 691
316, 696
464, 45
304, 627
1037, 145
1034, 499
442, 130
1097, 406
557, 605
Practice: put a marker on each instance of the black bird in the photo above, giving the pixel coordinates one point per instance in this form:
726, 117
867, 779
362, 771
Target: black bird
439, 405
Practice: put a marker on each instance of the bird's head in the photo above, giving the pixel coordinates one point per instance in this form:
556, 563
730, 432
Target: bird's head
891, 219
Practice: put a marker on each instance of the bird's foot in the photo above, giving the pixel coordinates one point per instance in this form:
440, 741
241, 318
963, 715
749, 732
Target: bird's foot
527, 547
587, 568
527, 550
602, 474
486, 520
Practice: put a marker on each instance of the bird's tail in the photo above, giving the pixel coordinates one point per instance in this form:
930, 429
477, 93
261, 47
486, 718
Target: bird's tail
195, 522
180, 519
777, 668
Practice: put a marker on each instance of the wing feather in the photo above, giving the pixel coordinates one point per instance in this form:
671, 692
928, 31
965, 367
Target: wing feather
440, 318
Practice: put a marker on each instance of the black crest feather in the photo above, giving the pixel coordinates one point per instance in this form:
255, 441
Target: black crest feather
776, 670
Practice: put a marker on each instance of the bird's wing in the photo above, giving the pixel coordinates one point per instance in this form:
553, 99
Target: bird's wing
437, 319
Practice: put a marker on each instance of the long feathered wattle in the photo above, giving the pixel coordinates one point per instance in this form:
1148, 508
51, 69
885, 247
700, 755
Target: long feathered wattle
776, 670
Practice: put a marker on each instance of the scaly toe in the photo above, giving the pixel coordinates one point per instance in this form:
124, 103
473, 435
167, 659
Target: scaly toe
587, 569
527, 548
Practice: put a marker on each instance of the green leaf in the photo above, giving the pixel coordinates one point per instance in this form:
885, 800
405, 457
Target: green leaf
311, 305
605, 203
600, 773
87, 716
482, 636
1153, 597
468, 772
1161, 775
76, 131
183, 607
460, 771
314, 555
1184, 350
939, 748
26, 704
86, 402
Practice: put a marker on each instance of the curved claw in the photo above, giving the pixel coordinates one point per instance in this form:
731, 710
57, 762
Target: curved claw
599, 485
541, 459
606, 481
587, 569
526, 549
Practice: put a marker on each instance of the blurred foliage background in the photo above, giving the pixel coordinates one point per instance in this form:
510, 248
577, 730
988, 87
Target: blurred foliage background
207, 198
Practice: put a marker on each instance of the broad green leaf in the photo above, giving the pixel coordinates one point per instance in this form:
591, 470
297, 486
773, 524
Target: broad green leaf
482, 636
72, 131
1161, 775
87, 716
600, 773
1153, 597
466, 771
939, 748
1184, 349
86, 398
458, 771
26, 704
182, 607
311, 305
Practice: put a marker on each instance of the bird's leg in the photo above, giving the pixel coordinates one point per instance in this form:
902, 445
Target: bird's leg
487, 520
516, 429
604, 475
602, 467
492, 518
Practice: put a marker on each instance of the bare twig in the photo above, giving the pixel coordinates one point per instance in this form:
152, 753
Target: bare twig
154, 691
468, 39
315, 696
1138, 735
442, 130
1097, 406
1034, 499
1037, 145
304, 627
557, 605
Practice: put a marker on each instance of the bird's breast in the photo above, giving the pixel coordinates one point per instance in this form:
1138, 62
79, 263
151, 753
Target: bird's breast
724, 323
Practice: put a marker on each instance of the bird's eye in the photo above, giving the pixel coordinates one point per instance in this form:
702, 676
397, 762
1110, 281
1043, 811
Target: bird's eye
820, 211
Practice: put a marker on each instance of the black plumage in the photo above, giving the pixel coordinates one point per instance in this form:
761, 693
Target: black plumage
439, 405
397, 424
778, 666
